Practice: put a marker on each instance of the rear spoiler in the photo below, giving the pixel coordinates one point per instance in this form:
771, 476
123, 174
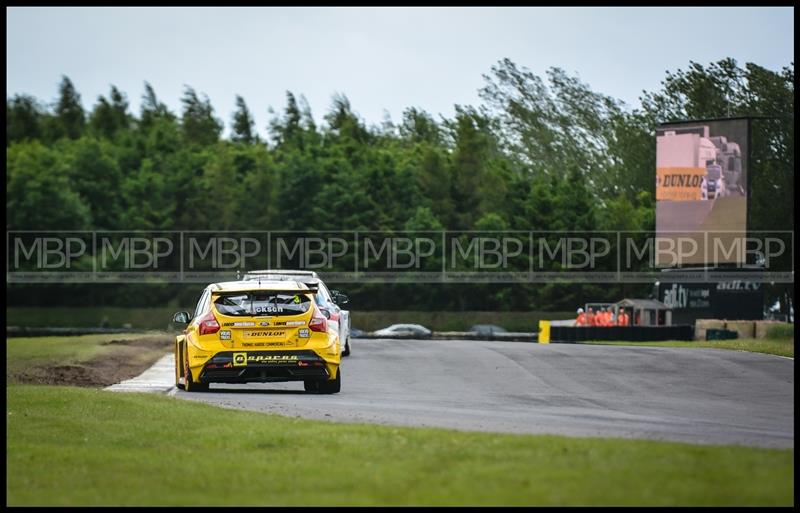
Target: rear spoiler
310, 290
281, 272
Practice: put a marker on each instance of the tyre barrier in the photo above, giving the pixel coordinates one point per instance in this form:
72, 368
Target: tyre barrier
621, 333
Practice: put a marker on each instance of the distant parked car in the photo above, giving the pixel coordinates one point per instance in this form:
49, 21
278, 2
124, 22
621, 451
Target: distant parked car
355, 332
408, 330
487, 330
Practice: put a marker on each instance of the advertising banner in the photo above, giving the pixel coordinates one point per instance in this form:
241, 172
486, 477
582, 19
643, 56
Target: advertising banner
701, 188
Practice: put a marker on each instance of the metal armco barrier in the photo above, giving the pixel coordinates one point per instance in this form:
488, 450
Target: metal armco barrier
460, 335
621, 333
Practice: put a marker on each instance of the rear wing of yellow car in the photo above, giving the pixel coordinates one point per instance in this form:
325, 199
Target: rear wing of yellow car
310, 290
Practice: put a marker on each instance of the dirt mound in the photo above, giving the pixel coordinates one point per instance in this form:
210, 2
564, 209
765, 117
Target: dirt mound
128, 359
154, 343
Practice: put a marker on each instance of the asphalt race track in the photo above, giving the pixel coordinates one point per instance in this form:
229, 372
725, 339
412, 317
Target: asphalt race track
709, 396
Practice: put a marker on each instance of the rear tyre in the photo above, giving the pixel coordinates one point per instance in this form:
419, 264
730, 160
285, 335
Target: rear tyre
346, 351
188, 383
311, 386
331, 386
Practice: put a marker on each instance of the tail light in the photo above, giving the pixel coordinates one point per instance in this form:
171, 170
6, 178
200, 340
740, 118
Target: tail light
209, 324
318, 321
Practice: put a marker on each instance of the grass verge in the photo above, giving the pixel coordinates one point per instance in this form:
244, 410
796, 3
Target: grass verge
70, 446
784, 347
781, 331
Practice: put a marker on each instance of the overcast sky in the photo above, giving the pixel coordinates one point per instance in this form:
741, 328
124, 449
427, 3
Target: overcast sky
383, 59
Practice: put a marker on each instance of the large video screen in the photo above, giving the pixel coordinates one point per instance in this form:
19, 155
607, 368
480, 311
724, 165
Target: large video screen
701, 189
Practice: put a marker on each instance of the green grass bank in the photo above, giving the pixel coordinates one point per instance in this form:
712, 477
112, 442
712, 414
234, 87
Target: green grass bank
70, 446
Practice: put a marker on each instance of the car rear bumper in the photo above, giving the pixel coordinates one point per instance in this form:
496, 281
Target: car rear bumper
264, 366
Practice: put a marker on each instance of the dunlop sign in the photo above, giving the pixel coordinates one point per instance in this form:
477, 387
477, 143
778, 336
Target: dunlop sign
679, 183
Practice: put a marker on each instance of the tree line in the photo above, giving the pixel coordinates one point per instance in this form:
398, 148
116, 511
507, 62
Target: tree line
538, 153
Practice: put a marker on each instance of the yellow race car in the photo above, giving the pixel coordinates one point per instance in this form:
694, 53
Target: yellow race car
257, 331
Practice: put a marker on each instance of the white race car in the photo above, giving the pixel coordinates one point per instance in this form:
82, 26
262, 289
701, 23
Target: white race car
329, 301
713, 185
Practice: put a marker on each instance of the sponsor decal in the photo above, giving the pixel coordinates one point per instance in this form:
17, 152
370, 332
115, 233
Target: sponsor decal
239, 359
264, 334
263, 344
296, 300
295, 323
303, 333
267, 309
263, 323
241, 323
225, 335
272, 358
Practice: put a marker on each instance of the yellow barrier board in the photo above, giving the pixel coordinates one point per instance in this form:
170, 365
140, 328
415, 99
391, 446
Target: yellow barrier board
544, 332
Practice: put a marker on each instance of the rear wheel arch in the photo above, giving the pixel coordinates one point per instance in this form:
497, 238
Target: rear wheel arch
179, 351
189, 384
331, 386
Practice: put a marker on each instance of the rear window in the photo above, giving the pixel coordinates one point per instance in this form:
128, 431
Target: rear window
250, 304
